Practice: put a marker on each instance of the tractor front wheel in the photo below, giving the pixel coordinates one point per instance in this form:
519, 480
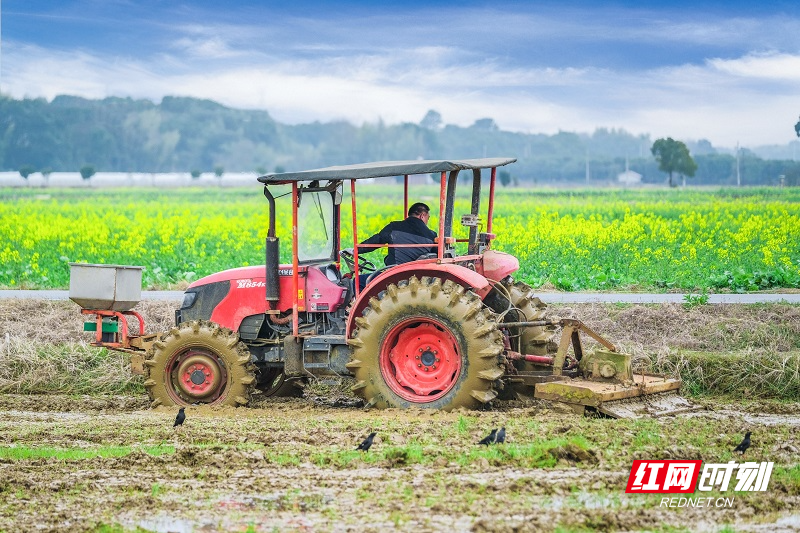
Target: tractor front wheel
426, 343
199, 362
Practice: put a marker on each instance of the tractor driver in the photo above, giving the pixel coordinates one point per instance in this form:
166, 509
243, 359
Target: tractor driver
413, 230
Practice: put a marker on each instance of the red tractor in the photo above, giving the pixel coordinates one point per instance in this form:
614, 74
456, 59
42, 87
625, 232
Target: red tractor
446, 330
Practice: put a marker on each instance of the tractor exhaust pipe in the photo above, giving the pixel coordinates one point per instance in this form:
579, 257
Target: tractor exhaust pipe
273, 254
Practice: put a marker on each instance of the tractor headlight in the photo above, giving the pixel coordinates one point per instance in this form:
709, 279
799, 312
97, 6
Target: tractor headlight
188, 300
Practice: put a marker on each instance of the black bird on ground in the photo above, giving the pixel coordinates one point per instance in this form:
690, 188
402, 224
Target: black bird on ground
489, 439
180, 418
366, 443
501, 436
742, 447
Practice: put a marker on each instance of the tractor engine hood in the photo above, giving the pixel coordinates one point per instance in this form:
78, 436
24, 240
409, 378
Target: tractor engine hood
242, 273
496, 265
225, 297
229, 296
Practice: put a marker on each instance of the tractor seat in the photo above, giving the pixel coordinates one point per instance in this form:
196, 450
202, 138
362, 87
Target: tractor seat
433, 255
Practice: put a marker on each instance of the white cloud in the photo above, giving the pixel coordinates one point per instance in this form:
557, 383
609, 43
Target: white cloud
211, 48
30, 72
768, 66
752, 99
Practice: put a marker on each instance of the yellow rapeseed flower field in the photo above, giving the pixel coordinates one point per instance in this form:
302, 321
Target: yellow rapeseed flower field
738, 239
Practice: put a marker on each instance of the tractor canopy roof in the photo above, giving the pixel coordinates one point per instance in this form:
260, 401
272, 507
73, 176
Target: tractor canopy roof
383, 169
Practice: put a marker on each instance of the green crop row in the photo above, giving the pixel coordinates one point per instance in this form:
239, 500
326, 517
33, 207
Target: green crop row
646, 239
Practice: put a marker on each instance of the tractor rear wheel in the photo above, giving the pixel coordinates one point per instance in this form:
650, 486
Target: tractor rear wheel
536, 340
199, 362
426, 343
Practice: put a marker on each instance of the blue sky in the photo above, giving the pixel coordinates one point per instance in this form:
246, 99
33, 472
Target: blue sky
724, 71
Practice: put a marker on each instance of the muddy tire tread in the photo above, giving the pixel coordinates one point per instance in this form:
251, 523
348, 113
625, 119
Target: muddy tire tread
479, 340
208, 335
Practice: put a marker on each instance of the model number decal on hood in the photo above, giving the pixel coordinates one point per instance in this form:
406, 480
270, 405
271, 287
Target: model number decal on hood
248, 283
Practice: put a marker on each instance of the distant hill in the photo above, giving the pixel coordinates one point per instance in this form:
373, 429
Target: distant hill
185, 134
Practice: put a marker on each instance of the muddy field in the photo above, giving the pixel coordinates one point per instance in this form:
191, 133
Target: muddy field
109, 463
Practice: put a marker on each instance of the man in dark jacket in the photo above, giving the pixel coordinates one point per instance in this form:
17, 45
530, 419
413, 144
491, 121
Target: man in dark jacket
412, 230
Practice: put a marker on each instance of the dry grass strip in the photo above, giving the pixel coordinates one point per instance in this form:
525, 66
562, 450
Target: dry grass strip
722, 349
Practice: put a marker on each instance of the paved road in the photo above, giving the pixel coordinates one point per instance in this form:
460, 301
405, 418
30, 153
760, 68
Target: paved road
547, 297
626, 297
64, 295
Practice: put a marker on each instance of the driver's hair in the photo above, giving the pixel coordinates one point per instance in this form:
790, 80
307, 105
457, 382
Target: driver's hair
417, 209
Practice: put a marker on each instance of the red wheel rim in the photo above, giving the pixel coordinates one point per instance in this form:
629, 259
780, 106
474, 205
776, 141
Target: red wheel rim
420, 360
195, 375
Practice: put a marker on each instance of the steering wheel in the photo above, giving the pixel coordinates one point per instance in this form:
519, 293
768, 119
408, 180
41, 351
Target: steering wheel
364, 266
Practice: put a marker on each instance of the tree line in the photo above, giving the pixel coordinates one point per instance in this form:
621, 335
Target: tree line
193, 135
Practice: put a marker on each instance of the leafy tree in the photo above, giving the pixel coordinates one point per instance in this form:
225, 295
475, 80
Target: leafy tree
432, 120
702, 147
87, 171
279, 169
123, 134
260, 170
505, 178
46, 171
195, 174
25, 171
792, 176
485, 124
673, 156
716, 168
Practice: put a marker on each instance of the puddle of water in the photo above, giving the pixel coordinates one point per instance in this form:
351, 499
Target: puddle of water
784, 524
766, 419
581, 499
773, 420
166, 524
792, 521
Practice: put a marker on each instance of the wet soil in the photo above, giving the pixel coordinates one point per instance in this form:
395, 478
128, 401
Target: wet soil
109, 463
291, 465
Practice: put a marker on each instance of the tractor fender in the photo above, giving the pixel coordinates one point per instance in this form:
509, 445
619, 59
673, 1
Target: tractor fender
461, 275
497, 265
